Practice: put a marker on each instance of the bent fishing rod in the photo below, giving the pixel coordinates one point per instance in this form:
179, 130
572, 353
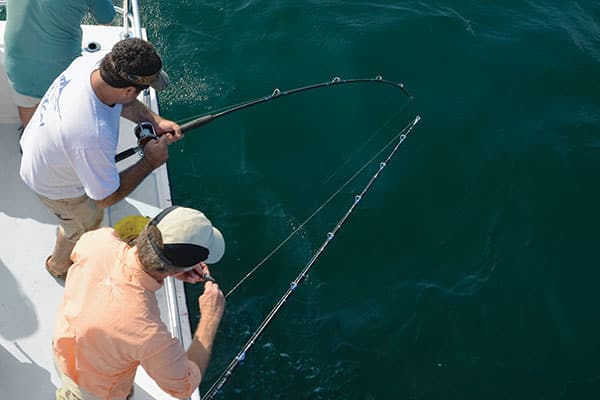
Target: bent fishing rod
145, 131
241, 356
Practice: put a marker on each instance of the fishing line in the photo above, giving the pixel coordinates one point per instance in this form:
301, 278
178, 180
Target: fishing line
205, 119
294, 284
365, 143
323, 205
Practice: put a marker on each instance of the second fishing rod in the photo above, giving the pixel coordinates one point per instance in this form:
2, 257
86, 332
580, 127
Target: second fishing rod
144, 131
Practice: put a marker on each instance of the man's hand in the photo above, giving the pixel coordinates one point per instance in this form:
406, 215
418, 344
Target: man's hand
137, 112
212, 304
167, 128
200, 273
156, 152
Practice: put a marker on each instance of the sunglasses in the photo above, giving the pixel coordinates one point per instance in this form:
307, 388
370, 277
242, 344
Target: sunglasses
138, 80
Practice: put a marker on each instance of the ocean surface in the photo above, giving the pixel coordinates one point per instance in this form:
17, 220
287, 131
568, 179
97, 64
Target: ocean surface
470, 270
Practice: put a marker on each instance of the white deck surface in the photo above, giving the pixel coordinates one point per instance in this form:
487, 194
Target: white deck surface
29, 296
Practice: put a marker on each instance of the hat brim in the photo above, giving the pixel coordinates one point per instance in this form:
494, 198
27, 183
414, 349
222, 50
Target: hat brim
161, 82
217, 248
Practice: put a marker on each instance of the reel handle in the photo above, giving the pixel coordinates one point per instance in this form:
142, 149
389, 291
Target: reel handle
144, 131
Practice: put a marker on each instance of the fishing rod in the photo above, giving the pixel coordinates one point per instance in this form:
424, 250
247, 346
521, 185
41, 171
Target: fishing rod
145, 131
241, 356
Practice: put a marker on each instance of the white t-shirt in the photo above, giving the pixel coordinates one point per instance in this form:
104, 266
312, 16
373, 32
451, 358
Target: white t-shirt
69, 145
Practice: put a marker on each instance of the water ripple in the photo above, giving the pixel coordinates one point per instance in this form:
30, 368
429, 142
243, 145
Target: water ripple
579, 24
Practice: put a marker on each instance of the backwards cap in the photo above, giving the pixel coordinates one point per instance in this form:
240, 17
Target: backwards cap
134, 62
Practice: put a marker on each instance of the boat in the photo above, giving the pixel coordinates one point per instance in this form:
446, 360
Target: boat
29, 296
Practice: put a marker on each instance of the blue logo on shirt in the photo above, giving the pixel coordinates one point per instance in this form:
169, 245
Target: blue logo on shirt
52, 97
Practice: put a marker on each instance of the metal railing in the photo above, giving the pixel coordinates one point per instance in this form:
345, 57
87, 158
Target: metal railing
130, 13
132, 28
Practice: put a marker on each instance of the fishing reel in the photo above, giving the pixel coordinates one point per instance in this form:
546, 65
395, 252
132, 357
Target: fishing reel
144, 132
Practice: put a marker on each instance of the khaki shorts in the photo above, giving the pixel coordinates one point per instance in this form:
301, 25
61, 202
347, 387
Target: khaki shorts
69, 390
22, 100
77, 215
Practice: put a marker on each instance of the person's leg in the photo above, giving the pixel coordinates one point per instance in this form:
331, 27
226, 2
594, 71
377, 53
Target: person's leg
69, 390
77, 216
25, 114
26, 105
60, 260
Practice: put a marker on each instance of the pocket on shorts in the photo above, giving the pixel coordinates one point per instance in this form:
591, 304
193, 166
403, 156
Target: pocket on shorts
68, 208
76, 215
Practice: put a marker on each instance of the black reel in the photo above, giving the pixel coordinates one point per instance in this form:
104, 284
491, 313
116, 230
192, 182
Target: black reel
144, 131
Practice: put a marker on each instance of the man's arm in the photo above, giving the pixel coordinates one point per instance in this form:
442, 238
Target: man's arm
137, 112
212, 304
155, 154
155, 151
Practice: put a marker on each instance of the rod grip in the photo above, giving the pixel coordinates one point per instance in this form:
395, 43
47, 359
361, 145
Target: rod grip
188, 126
124, 154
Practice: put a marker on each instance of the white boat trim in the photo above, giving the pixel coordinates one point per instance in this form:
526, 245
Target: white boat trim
29, 297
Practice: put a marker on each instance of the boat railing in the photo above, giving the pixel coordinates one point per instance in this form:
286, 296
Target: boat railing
130, 13
132, 28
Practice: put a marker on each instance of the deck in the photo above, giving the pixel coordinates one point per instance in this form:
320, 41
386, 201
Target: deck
29, 296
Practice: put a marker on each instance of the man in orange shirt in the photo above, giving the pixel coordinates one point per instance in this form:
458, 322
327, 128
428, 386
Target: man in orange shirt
109, 321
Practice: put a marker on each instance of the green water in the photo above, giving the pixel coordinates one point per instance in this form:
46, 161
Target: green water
470, 270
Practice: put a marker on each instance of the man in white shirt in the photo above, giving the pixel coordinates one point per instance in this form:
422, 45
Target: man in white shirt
70, 144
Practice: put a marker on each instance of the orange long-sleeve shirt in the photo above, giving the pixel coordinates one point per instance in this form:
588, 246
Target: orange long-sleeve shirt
109, 323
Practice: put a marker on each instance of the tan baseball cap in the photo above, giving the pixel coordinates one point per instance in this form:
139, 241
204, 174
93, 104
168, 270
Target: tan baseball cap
188, 237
